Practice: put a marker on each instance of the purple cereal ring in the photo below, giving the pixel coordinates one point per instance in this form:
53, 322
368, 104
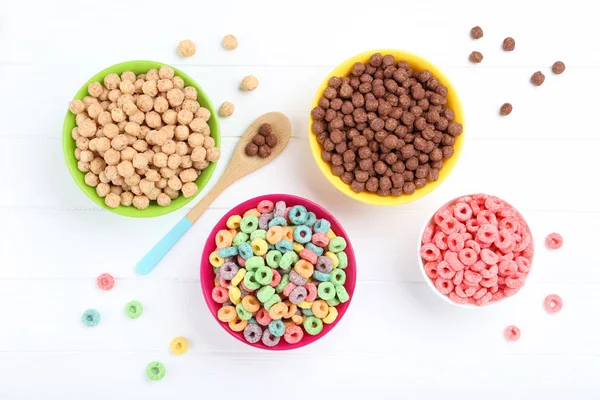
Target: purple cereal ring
296, 279
298, 295
269, 339
279, 210
324, 264
252, 333
228, 270
263, 220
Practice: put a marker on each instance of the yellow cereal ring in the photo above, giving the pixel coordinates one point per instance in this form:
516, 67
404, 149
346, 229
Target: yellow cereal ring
238, 324
223, 239
298, 247
331, 315
253, 211
235, 294
259, 247
250, 303
274, 234
292, 308
226, 314
333, 258
288, 233
239, 276
320, 308
297, 319
277, 310
305, 304
304, 268
215, 259
233, 222
330, 234
217, 283
179, 345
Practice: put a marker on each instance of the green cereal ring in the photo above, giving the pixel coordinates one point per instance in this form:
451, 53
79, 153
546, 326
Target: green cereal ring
264, 275
265, 293
333, 302
285, 279
273, 258
326, 290
288, 259
90, 317
155, 371
240, 238
273, 300
337, 244
134, 309
249, 224
254, 263
250, 280
337, 277
242, 312
259, 233
342, 259
313, 325
342, 294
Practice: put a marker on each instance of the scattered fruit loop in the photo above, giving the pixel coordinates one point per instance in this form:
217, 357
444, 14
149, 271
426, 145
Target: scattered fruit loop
179, 345
554, 241
512, 333
105, 281
155, 371
553, 303
134, 309
90, 317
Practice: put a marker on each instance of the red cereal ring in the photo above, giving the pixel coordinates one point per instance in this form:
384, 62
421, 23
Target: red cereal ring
469, 290
509, 223
444, 270
528, 252
514, 282
462, 228
507, 267
428, 252
488, 257
455, 242
245, 287
450, 225
320, 239
477, 286
308, 255
485, 299
472, 225
508, 211
508, 291
505, 239
224, 282
287, 215
489, 283
464, 199
462, 211
458, 278
467, 256
523, 264
293, 334
265, 206
553, 303
288, 289
487, 234
480, 293
105, 281
494, 288
489, 271
497, 295
554, 241
457, 299
478, 266
441, 215
444, 286
472, 276
311, 290
276, 278
262, 317
241, 262
460, 291
494, 204
452, 259
431, 270
220, 294
475, 208
524, 243
439, 239
486, 217
428, 233
472, 244
512, 333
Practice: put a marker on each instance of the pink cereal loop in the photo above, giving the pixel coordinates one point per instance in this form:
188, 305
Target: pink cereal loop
494, 204
514, 282
494, 288
478, 266
265, 206
444, 270
523, 264
480, 293
241, 261
489, 283
444, 286
312, 291
308, 255
458, 299
497, 295
524, 243
288, 289
431, 270
287, 216
428, 233
450, 225
505, 239
439, 239
486, 217
510, 292
429, 252
508, 211
487, 234
320, 239
472, 276
462, 212
467, 256
488, 257
472, 225
512, 333
441, 215
455, 242
105, 281
485, 299
276, 278
474, 207
507, 267
554, 241
458, 278
472, 244
452, 259
553, 303
509, 223
489, 272
220, 294
224, 282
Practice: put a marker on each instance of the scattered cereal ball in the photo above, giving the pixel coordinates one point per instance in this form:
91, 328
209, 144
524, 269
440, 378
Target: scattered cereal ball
553, 303
175, 97
91, 179
87, 128
230, 42
126, 199
554, 241
508, 44
95, 89
476, 32
190, 93
226, 109
76, 106
163, 200
166, 72
111, 81
213, 154
186, 48
558, 67
189, 189
184, 117
476, 57
537, 78
188, 175
103, 189
141, 202
182, 132
164, 85
505, 109
512, 333
112, 200
203, 113
249, 83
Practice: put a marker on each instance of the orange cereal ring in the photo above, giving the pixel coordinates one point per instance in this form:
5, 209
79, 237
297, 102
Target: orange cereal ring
274, 234
298, 319
250, 303
223, 239
304, 268
320, 308
227, 314
288, 233
253, 211
277, 310
291, 309
288, 322
238, 324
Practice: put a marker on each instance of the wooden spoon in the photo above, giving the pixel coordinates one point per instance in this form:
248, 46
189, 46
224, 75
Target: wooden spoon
239, 166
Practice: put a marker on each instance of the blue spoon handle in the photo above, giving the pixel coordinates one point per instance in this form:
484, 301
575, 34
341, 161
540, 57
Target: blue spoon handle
161, 248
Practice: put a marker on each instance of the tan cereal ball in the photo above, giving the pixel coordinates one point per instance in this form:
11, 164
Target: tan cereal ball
133, 180
87, 128
166, 72
94, 110
127, 87
116, 190
203, 113
188, 175
164, 85
97, 165
111, 81
128, 76
213, 154
95, 89
102, 189
140, 161
140, 145
162, 183
163, 200
230, 42
174, 183
125, 169
189, 189
182, 132
178, 82
112, 200
160, 160
199, 125
249, 83
83, 166
174, 161
190, 93
102, 144
76, 106
200, 165
86, 156
186, 162
173, 194
196, 139
226, 109
161, 105
119, 142
175, 97
184, 117
114, 95
170, 147
149, 88
190, 105
167, 172
128, 153
209, 142
110, 130
186, 48
153, 119
118, 115
104, 118
146, 186
91, 179
182, 148
112, 157
126, 199
141, 202
152, 75
198, 154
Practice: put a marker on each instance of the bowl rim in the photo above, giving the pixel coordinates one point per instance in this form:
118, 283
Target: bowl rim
449, 164
207, 285
71, 163
428, 280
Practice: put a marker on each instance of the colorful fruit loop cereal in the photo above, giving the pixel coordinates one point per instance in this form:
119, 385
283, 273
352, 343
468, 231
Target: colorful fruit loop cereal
155, 371
554, 241
553, 303
105, 281
134, 309
90, 317
179, 345
477, 249
512, 333
279, 273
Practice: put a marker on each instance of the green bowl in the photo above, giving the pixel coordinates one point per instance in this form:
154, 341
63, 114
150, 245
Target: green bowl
153, 210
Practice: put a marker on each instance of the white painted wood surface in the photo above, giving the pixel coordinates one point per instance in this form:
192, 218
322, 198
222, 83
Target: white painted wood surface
543, 158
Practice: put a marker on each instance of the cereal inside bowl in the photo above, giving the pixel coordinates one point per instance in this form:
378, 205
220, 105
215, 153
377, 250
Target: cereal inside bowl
476, 250
280, 274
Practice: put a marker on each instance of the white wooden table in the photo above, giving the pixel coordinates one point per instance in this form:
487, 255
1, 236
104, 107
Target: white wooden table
543, 158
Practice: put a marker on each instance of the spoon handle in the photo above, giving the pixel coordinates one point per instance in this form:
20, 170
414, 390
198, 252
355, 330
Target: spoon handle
152, 258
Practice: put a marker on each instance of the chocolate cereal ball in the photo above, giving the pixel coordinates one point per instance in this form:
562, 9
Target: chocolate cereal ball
476, 57
537, 78
508, 44
506, 109
476, 32
558, 67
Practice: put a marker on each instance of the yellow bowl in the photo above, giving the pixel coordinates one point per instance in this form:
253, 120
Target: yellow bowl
454, 104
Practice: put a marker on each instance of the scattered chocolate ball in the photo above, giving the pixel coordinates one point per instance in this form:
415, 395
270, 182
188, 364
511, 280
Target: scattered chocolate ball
506, 109
537, 78
558, 67
476, 57
476, 32
508, 44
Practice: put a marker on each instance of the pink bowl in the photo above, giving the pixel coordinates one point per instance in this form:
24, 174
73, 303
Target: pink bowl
207, 275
